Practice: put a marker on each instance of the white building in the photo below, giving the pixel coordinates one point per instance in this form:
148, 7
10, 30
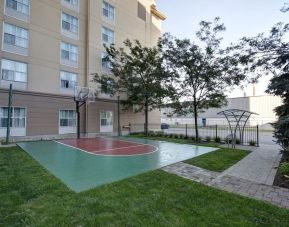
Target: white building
262, 105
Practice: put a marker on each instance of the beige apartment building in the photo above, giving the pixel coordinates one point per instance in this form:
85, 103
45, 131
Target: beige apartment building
50, 46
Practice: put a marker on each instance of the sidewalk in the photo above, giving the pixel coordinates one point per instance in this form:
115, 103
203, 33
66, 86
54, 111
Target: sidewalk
259, 166
253, 176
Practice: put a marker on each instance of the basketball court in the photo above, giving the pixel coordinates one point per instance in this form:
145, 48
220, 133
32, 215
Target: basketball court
86, 163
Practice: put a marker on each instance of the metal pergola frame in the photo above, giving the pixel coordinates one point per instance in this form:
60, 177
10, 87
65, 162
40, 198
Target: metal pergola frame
237, 118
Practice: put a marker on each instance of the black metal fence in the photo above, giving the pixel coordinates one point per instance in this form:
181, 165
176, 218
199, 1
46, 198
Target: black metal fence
220, 133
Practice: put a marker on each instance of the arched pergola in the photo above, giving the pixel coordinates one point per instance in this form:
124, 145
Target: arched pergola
237, 120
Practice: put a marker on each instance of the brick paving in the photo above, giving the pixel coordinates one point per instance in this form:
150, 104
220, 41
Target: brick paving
273, 194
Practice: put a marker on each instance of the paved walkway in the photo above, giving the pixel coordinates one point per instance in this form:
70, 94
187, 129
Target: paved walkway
252, 177
259, 166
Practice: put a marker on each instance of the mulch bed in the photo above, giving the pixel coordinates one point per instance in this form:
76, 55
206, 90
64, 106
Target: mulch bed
280, 180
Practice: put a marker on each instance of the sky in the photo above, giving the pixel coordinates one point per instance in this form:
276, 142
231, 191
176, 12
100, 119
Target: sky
241, 18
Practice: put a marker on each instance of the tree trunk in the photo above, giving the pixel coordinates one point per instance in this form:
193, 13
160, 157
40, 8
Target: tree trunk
196, 121
146, 119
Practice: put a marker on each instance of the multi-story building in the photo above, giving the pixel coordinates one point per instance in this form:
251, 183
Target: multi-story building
50, 46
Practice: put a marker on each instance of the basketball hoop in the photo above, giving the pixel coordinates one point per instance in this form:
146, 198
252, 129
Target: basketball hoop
84, 94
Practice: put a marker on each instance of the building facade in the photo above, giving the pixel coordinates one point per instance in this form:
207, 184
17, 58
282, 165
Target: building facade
263, 105
49, 47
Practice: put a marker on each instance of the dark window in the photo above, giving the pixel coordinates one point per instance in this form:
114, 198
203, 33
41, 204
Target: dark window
141, 11
65, 54
12, 4
9, 39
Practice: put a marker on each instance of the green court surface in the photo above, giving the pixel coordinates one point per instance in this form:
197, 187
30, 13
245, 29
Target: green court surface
81, 171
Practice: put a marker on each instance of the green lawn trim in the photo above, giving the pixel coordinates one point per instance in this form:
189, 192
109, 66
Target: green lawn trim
218, 160
31, 196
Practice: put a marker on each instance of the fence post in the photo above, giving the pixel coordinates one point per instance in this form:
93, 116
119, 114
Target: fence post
257, 127
216, 132
186, 131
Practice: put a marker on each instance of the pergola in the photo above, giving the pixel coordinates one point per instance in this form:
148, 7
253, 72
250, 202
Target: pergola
237, 120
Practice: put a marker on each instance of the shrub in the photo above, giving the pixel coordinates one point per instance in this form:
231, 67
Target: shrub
193, 138
181, 136
208, 139
238, 141
200, 139
284, 168
252, 143
218, 139
176, 136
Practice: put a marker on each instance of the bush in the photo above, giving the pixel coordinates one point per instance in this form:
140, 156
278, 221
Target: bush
208, 139
238, 141
252, 143
193, 138
181, 136
284, 168
218, 139
200, 139
176, 136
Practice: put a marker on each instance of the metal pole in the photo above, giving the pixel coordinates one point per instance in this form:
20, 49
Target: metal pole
9, 114
257, 135
118, 115
216, 131
78, 119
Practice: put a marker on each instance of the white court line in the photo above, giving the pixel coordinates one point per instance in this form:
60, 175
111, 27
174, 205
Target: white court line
119, 148
109, 155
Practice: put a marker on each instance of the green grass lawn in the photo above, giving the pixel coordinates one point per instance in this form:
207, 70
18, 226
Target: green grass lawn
31, 196
218, 160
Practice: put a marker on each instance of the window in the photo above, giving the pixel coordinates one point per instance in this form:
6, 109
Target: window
106, 118
107, 35
69, 52
68, 80
72, 2
105, 62
16, 36
21, 6
14, 71
141, 11
69, 23
67, 118
18, 117
108, 11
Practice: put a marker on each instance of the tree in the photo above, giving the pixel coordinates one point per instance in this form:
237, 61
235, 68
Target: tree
138, 72
270, 55
203, 72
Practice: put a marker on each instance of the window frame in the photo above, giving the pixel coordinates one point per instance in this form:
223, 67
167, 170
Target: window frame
75, 82
104, 28
16, 81
108, 10
17, 2
12, 117
70, 31
17, 46
69, 2
69, 52
59, 121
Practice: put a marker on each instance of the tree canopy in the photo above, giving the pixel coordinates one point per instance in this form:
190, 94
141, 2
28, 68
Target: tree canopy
202, 71
269, 54
139, 73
